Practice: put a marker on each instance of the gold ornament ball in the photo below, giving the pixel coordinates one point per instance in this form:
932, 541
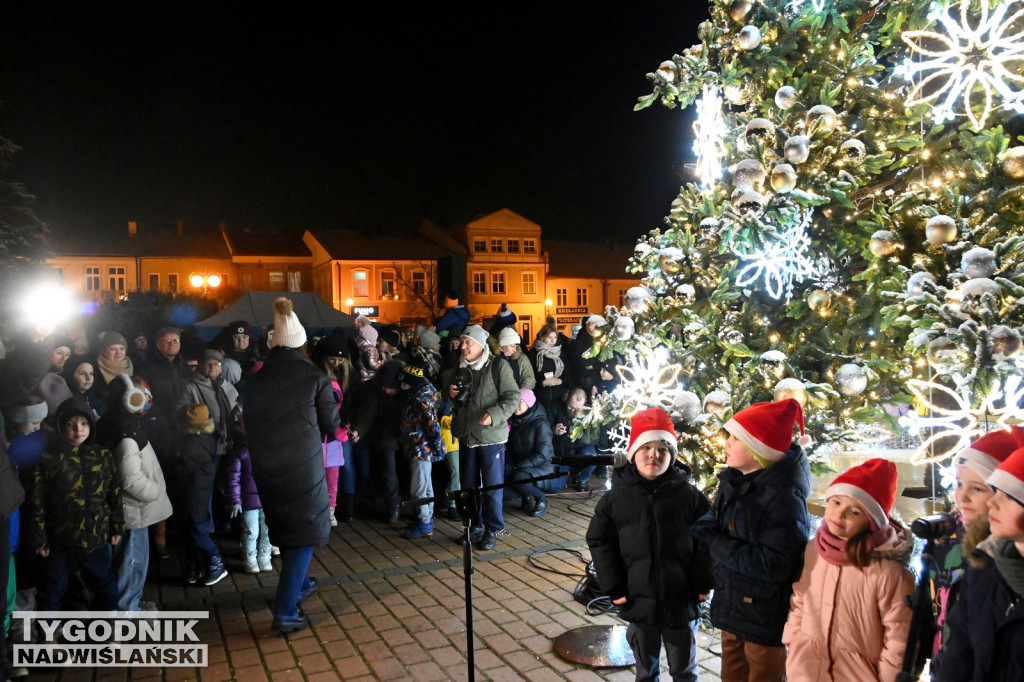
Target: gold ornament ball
717, 402
1012, 163
940, 230
670, 260
819, 300
748, 174
739, 9
883, 243
824, 115
668, 70
853, 152
791, 388
783, 178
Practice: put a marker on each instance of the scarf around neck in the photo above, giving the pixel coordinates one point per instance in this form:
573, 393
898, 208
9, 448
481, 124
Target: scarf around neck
479, 363
1010, 565
111, 368
553, 352
831, 548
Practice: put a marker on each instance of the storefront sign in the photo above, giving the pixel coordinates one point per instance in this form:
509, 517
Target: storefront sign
367, 310
572, 311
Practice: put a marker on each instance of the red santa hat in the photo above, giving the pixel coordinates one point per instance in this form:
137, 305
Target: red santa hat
649, 425
988, 452
767, 428
1009, 476
872, 485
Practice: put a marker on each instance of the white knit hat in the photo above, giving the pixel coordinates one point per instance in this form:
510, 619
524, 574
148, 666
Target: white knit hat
508, 337
288, 332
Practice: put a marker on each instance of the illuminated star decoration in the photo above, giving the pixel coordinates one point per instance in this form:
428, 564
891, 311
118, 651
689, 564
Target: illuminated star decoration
968, 62
709, 135
963, 423
783, 261
647, 381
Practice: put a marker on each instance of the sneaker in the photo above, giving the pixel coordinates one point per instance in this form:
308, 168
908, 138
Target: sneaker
334, 519
215, 572
487, 541
191, 574
474, 536
287, 624
421, 530
540, 508
264, 563
250, 564
275, 550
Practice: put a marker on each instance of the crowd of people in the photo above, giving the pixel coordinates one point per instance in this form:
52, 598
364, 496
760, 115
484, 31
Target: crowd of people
148, 446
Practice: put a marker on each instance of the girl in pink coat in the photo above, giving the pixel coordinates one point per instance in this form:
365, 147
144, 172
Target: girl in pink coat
848, 619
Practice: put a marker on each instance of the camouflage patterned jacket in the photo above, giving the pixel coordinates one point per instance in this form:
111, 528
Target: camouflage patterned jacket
75, 501
421, 429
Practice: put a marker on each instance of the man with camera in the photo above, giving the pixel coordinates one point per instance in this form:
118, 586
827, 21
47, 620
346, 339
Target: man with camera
488, 395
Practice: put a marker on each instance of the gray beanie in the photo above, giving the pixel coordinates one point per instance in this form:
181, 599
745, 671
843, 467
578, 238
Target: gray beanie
427, 338
477, 334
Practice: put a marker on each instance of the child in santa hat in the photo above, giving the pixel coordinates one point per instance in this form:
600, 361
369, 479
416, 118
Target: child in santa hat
850, 619
986, 625
757, 536
646, 558
974, 464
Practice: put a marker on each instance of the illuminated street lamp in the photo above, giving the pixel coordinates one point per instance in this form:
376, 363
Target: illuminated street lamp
205, 281
547, 307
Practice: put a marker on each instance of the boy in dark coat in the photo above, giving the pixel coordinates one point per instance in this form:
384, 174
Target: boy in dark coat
757, 534
986, 626
645, 555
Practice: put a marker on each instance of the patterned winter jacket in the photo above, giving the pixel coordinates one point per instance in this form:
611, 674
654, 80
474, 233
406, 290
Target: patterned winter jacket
75, 499
421, 429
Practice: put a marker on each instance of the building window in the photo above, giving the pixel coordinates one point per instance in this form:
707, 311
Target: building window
497, 246
92, 279
582, 297
116, 278
513, 246
561, 297
529, 246
497, 282
276, 280
479, 246
294, 280
529, 283
622, 298
387, 284
419, 283
154, 282
172, 282
479, 282
359, 283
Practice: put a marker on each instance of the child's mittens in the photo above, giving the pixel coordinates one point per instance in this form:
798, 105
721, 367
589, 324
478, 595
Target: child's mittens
236, 510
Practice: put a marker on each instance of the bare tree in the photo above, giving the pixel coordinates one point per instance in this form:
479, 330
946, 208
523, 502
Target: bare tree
424, 292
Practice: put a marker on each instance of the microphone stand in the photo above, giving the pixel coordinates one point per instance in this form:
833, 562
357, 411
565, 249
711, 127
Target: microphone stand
467, 502
920, 601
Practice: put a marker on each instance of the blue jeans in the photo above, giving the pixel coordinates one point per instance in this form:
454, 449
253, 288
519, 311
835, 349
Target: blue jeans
482, 466
421, 485
255, 536
537, 488
347, 475
95, 570
680, 647
583, 474
131, 564
292, 581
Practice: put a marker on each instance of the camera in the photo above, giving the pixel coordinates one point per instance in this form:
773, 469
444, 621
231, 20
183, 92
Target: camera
933, 527
463, 385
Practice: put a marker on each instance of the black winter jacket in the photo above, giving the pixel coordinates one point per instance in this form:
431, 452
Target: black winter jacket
643, 546
757, 534
986, 629
166, 379
289, 406
377, 416
529, 448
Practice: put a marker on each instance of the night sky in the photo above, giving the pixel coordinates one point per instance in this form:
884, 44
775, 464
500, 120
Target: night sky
328, 114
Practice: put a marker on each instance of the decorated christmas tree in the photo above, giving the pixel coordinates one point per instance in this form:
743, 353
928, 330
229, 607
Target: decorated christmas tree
853, 234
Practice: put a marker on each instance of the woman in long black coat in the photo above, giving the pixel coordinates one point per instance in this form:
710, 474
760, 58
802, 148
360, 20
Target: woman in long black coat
289, 406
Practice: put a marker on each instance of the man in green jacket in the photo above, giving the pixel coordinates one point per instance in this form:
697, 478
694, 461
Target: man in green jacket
489, 397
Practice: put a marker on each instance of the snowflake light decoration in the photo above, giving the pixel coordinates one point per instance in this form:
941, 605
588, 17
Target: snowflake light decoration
647, 381
964, 423
783, 261
709, 135
972, 60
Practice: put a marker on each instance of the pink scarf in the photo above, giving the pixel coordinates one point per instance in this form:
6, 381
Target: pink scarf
830, 547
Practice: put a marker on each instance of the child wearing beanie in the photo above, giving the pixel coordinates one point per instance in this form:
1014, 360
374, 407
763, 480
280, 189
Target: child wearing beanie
757, 536
422, 442
986, 625
973, 465
850, 619
645, 555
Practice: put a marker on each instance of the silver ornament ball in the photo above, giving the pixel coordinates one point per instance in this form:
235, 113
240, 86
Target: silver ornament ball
791, 388
851, 379
759, 130
637, 299
717, 402
748, 38
750, 203
883, 243
944, 356
979, 262
671, 260
687, 406
916, 283
668, 71
710, 225
853, 152
686, 293
748, 174
730, 335
641, 251
972, 293
1006, 342
939, 230
624, 328
786, 97
693, 332
797, 149
823, 116
773, 363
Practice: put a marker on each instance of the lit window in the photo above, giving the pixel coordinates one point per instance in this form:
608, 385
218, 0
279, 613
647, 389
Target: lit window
479, 282
359, 283
562, 297
581, 297
92, 279
479, 246
419, 283
497, 246
513, 246
529, 283
387, 284
497, 282
277, 280
529, 246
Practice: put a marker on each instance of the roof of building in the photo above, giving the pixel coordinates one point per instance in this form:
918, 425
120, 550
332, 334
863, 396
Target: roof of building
353, 245
246, 243
70, 243
503, 219
587, 260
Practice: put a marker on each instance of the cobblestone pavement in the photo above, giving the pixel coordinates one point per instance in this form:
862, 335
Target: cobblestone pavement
394, 609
